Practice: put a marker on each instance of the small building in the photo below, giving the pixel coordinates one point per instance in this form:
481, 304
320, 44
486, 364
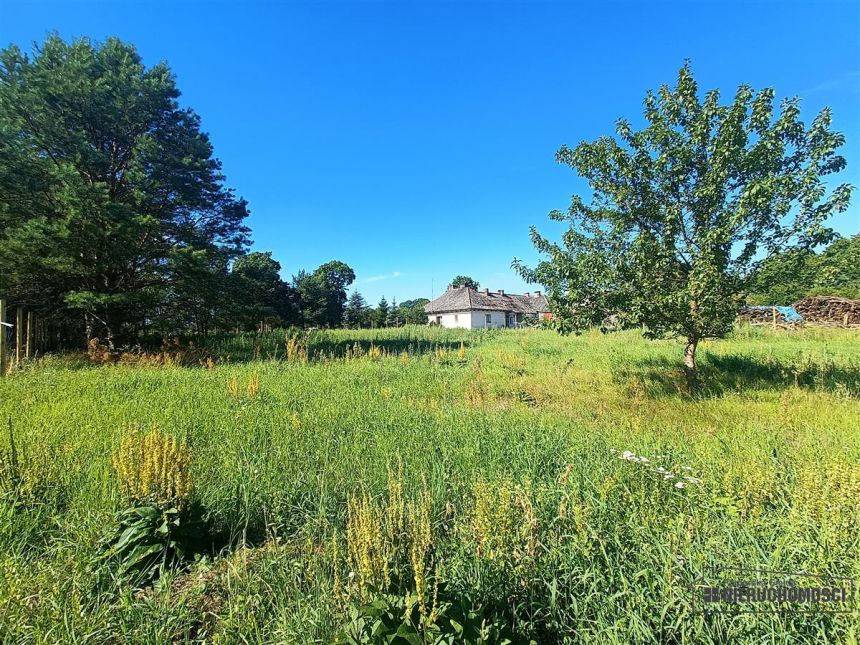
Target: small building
472, 309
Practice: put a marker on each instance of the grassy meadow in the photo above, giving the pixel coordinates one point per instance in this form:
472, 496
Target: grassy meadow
457, 485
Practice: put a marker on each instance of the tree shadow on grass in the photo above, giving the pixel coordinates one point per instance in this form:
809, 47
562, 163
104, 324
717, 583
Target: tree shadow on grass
724, 374
327, 350
202, 356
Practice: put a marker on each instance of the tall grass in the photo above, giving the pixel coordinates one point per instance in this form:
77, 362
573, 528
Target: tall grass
515, 447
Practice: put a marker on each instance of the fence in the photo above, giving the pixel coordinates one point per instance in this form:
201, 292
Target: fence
19, 340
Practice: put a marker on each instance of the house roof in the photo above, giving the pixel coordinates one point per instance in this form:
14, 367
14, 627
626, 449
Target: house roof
468, 299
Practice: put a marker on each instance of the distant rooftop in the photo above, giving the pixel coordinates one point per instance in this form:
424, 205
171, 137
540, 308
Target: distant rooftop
468, 299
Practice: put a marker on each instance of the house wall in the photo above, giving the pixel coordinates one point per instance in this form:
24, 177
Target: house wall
470, 319
479, 319
453, 320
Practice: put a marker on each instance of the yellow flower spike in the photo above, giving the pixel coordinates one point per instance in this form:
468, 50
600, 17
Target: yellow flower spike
253, 388
233, 386
294, 421
153, 468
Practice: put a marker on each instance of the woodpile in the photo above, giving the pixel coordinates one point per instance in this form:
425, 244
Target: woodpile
763, 316
829, 310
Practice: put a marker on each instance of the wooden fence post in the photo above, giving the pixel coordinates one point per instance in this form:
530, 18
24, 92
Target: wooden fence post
774, 317
28, 345
19, 335
2, 338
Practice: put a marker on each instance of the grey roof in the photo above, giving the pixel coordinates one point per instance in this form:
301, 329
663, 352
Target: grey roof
468, 299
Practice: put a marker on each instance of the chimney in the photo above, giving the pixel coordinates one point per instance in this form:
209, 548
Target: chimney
486, 292
501, 292
537, 294
450, 287
528, 294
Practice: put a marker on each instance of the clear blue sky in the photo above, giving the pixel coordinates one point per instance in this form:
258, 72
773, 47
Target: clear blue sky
415, 141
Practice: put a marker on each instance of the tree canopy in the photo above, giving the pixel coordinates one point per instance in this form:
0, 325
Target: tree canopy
357, 313
785, 278
464, 281
322, 294
259, 293
111, 201
115, 219
684, 209
412, 311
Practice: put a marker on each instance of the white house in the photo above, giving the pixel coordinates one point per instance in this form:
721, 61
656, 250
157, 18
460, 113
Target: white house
471, 309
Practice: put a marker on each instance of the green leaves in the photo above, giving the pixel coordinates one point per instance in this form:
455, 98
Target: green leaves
147, 540
785, 278
323, 293
465, 281
388, 619
684, 209
103, 178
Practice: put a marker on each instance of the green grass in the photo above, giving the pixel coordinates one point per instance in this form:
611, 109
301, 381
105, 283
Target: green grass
774, 436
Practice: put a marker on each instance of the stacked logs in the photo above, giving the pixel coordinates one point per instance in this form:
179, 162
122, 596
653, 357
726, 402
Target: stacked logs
762, 315
829, 310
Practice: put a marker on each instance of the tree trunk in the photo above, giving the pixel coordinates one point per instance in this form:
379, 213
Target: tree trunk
690, 364
109, 337
88, 326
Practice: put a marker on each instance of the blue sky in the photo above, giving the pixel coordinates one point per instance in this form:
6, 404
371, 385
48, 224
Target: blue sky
415, 141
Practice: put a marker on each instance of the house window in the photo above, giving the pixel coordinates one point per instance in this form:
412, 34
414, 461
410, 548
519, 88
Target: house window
438, 320
456, 318
488, 318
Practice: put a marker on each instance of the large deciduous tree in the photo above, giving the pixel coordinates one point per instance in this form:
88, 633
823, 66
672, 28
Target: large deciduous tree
787, 277
464, 281
323, 293
259, 294
684, 209
412, 311
108, 188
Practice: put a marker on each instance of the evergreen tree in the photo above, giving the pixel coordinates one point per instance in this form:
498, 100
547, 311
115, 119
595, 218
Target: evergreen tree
393, 314
382, 313
354, 316
125, 207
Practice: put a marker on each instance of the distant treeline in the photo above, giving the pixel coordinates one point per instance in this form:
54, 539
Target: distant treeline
787, 277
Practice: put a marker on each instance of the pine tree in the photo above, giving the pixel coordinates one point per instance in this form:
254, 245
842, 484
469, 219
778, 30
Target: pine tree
382, 312
125, 215
393, 317
354, 314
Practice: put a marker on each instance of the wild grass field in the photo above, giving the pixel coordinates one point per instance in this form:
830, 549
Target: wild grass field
452, 485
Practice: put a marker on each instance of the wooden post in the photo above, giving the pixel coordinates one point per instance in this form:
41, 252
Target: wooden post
774, 317
2, 338
28, 346
19, 335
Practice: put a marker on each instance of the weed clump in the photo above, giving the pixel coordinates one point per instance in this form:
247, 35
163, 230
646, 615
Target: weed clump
153, 468
160, 528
